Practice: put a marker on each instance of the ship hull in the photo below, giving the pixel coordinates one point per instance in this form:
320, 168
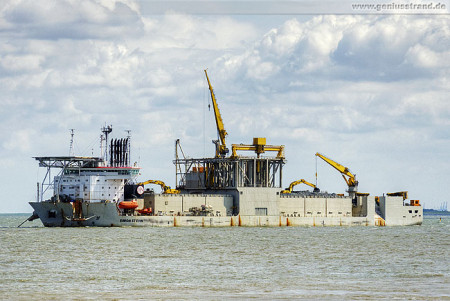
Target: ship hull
58, 214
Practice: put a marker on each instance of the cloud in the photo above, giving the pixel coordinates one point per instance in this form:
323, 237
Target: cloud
374, 48
423, 57
383, 50
23, 63
19, 140
68, 19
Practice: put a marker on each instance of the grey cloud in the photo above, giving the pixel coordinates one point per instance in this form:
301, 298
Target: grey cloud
52, 20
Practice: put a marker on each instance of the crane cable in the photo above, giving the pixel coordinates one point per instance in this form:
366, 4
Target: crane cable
316, 171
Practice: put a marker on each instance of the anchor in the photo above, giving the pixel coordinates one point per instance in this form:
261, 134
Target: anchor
31, 218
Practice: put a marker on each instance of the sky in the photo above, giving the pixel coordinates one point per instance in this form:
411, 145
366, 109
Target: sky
369, 89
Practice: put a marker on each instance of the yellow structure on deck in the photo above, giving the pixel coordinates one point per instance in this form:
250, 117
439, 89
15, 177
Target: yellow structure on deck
221, 147
349, 178
291, 186
259, 147
166, 189
404, 194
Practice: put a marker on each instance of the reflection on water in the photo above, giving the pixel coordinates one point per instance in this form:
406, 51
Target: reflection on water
212, 263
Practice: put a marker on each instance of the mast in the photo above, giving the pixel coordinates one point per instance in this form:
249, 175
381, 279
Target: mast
128, 149
106, 130
71, 142
221, 147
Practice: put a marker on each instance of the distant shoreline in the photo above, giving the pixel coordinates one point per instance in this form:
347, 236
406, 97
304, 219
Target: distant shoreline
432, 212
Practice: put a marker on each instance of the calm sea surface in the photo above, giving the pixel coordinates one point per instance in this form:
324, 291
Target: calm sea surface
338, 263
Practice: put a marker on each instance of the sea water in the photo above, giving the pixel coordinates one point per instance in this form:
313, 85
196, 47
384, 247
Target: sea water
322, 263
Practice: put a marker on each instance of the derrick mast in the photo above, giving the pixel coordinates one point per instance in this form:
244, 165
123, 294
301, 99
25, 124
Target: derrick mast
221, 147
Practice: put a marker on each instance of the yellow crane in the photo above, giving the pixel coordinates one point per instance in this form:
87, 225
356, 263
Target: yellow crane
165, 189
349, 178
221, 147
291, 186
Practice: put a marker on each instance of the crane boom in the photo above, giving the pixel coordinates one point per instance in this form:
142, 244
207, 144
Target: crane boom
349, 178
221, 149
166, 189
291, 186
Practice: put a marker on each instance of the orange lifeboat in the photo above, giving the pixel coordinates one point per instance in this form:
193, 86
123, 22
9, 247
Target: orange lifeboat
145, 211
128, 205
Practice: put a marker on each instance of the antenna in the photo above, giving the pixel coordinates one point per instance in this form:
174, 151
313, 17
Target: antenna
71, 142
101, 145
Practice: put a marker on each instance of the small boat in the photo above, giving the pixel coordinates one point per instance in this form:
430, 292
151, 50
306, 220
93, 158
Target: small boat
145, 211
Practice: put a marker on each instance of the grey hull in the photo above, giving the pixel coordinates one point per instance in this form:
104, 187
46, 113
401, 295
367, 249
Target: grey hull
58, 214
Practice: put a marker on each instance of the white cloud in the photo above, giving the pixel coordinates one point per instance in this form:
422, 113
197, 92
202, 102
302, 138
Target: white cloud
19, 141
17, 63
355, 47
423, 57
282, 41
260, 70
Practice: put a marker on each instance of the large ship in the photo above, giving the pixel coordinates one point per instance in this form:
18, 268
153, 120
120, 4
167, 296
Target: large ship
228, 189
